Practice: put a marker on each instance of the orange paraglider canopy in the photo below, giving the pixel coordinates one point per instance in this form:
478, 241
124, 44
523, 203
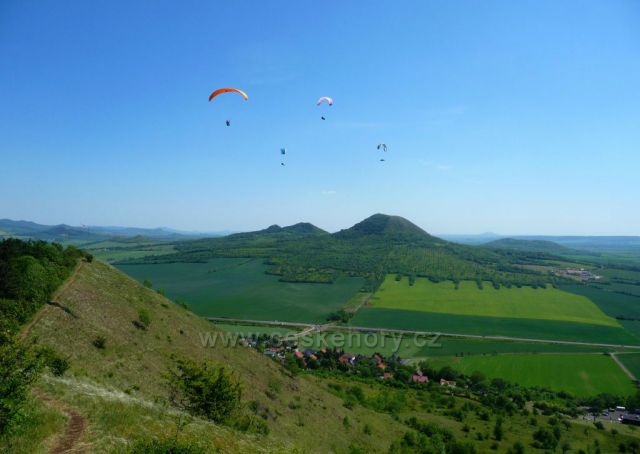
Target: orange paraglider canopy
227, 90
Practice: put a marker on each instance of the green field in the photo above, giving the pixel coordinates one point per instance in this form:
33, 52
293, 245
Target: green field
493, 326
248, 330
239, 288
411, 347
579, 374
612, 303
468, 299
632, 362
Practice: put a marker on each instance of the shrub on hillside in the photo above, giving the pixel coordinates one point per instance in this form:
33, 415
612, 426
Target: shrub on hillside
153, 446
204, 390
20, 366
100, 342
144, 320
52, 359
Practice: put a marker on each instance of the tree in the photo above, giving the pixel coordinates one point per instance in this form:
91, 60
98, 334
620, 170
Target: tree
28, 279
497, 429
19, 368
204, 390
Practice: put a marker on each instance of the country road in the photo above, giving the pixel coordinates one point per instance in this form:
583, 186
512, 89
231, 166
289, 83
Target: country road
309, 327
623, 367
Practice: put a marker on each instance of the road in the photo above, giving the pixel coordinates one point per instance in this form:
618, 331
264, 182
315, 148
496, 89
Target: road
623, 367
311, 327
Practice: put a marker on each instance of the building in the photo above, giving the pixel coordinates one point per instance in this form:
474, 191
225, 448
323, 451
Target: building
632, 420
347, 358
419, 378
449, 383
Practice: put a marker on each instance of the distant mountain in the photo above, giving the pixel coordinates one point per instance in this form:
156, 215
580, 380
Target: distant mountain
543, 246
592, 243
480, 238
370, 249
275, 231
66, 233
305, 228
383, 225
19, 228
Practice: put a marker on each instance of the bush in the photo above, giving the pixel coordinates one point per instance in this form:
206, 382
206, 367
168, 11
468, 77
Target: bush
204, 390
152, 446
250, 424
56, 363
19, 368
144, 320
100, 342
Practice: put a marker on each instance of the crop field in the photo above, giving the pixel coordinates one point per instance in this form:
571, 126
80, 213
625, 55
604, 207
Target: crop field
239, 288
420, 347
612, 303
579, 374
632, 362
468, 299
627, 275
630, 289
248, 330
112, 255
521, 328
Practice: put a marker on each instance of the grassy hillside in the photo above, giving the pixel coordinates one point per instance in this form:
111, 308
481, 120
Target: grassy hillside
119, 392
465, 298
120, 389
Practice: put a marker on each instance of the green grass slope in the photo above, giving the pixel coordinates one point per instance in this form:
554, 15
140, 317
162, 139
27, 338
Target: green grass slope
121, 390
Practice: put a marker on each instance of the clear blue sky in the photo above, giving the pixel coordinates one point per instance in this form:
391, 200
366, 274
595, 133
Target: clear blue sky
505, 116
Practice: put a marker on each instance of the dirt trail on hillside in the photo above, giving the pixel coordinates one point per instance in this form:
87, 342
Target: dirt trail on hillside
75, 427
24, 332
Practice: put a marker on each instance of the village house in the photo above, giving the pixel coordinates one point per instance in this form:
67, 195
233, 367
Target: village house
419, 378
449, 383
347, 358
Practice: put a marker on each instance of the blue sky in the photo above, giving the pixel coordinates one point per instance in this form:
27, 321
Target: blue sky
512, 117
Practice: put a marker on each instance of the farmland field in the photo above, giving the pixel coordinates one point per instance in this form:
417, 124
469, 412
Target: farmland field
579, 374
376, 317
240, 288
632, 362
468, 299
612, 303
247, 330
115, 255
410, 347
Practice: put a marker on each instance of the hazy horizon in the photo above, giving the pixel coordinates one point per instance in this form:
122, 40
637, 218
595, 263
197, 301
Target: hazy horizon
225, 231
